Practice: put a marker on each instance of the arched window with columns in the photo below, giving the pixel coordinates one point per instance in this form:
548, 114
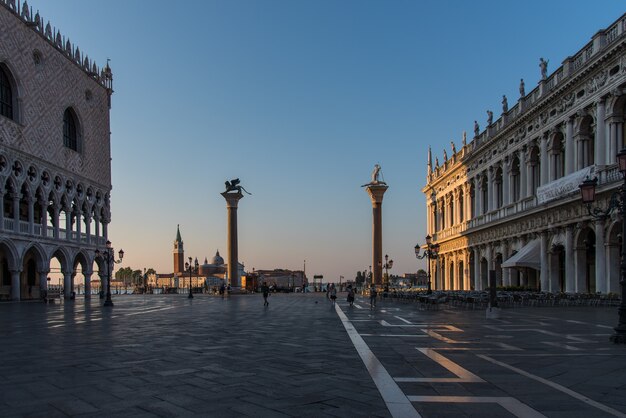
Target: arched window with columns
484, 198
535, 170
7, 93
498, 189
515, 180
557, 156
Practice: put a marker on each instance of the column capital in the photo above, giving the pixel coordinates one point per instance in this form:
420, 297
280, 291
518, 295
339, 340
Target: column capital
376, 192
232, 199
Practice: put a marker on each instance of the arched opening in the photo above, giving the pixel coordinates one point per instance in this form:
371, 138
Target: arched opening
484, 274
585, 139
70, 129
613, 252
586, 261
498, 188
461, 206
8, 93
557, 153
461, 276
498, 268
515, 183
535, 170
557, 268
484, 188
32, 264
451, 281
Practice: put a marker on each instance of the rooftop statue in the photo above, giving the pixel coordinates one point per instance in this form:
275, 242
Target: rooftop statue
489, 117
233, 186
375, 175
505, 104
522, 89
476, 128
464, 140
543, 65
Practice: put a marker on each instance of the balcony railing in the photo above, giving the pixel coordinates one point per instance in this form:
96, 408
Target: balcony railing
38, 231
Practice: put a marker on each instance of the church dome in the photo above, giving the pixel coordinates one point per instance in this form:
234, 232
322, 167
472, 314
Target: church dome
217, 259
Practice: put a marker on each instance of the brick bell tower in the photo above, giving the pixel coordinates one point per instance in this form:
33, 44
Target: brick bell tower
179, 253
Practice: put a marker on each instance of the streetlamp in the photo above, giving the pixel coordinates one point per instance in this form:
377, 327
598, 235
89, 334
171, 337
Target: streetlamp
432, 252
388, 264
617, 201
192, 268
109, 258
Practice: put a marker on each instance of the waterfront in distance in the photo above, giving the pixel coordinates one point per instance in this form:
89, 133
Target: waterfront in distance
166, 355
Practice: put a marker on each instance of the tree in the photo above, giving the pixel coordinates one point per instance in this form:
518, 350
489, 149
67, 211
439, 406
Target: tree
124, 274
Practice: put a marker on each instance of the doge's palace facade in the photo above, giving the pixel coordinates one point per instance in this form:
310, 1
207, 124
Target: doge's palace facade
55, 170
508, 200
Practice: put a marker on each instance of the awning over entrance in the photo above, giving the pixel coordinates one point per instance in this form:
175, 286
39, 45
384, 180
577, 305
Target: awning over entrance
528, 256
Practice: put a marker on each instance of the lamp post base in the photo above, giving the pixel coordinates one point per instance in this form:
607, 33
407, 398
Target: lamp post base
108, 303
620, 335
190, 296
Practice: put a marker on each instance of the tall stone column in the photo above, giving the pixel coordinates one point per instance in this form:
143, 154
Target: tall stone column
601, 279
570, 273
232, 200
522, 174
376, 192
67, 284
476, 267
570, 163
544, 272
15, 285
544, 160
87, 275
600, 142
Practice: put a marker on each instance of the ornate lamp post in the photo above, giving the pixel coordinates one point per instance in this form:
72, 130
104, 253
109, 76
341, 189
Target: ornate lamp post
388, 264
432, 252
109, 258
617, 201
191, 268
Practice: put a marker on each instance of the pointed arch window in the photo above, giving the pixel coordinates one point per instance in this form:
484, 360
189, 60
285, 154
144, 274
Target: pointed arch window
70, 130
6, 95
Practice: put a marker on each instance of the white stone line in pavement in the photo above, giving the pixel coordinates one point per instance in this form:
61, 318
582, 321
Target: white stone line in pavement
512, 405
406, 321
462, 375
150, 311
556, 386
398, 404
395, 335
560, 345
440, 337
555, 354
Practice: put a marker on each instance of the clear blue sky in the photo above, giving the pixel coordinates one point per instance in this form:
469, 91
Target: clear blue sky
299, 99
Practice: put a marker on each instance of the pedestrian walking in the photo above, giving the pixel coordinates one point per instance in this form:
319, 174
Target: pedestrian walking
333, 293
373, 295
350, 295
266, 292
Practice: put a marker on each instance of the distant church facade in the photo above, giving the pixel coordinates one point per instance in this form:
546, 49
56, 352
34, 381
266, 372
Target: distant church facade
508, 200
208, 274
55, 152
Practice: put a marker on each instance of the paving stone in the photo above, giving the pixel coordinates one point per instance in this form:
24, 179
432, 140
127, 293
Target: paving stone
233, 358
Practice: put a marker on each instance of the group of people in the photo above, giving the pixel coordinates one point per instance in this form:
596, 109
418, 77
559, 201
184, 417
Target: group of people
331, 294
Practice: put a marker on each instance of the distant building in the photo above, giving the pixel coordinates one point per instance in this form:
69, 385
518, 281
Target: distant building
209, 274
282, 279
55, 155
509, 201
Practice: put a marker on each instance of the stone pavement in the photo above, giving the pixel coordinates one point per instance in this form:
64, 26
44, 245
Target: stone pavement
165, 355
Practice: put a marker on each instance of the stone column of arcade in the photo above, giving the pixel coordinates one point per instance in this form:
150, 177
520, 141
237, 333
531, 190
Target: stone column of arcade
376, 189
232, 195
